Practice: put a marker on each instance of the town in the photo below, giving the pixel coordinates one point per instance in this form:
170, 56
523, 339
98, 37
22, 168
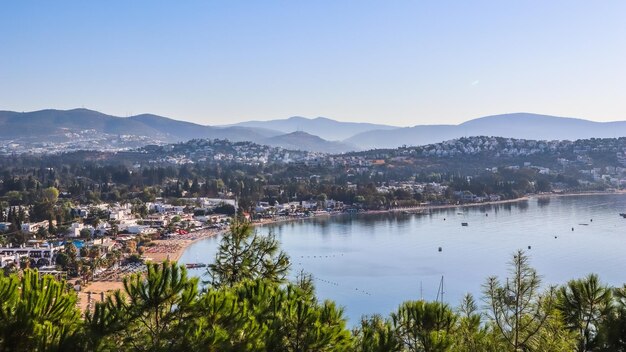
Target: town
96, 219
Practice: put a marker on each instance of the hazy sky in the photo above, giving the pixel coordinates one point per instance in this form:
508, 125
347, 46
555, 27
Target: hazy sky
395, 62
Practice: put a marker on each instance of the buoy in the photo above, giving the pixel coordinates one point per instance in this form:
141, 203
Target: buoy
555, 237
572, 229
528, 247
440, 249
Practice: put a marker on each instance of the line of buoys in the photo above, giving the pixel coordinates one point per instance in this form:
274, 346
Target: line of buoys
337, 284
321, 256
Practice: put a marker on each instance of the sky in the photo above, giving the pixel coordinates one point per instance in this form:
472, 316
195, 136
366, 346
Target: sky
394, 62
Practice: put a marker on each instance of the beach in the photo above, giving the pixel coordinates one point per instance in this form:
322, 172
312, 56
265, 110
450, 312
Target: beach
167, 249
172, 249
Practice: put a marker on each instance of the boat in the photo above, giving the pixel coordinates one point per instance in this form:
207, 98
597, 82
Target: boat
623, 215
464, 224
195, 265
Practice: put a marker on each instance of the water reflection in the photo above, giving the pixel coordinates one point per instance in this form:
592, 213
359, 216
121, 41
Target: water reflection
543, 201
389, 255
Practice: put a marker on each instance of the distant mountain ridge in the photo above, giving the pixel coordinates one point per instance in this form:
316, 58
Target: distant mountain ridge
320, 126
48, 126
304, 141
318, 134
515, 125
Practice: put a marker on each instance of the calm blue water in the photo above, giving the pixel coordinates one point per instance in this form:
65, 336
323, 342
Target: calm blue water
371, 263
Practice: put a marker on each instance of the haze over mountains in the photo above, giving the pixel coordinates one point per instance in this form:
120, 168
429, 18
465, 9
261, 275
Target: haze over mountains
320, 126
319, 134
517, 125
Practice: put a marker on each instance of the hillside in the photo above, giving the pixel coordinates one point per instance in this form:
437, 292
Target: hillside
81, 128
61, 130
323, 127
306, 141
44, 123
517, 125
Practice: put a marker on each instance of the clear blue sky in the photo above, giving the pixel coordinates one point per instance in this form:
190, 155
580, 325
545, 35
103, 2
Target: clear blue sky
395, 62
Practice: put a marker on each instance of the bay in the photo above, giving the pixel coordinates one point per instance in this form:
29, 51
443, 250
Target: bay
370, 263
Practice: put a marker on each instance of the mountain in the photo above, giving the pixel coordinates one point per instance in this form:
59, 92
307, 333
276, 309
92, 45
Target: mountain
516, 125
305, 141
61, 126
43, 123
84, 126
182, 130
323, 127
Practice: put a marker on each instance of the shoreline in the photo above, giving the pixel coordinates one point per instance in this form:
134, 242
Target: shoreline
95, 290
575, 194
179, 246
177, 254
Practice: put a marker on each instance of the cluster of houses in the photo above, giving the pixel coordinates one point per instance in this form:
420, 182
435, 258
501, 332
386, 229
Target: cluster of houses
301, 208
40, 251
127, 225
89, 139
247, 153
413, 187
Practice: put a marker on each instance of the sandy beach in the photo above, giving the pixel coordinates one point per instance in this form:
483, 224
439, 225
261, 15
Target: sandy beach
169, 249
173, 249
96, 288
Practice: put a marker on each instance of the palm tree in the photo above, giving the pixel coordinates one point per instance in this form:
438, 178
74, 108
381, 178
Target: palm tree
584, 304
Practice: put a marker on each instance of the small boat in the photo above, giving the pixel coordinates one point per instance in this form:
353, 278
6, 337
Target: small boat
583, 224
195, 265
623, 215
464, 224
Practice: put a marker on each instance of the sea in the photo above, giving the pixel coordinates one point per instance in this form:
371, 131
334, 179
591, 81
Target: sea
370, 263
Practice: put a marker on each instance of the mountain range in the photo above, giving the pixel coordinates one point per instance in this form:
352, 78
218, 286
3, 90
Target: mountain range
320, 126
51, 126
318, 134
517, 125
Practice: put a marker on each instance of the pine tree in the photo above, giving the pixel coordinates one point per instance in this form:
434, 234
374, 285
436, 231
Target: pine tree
517, 308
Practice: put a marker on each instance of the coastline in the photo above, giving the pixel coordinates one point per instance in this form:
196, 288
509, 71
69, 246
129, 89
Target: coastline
173, 249
176, 254
575, 194
438, 207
